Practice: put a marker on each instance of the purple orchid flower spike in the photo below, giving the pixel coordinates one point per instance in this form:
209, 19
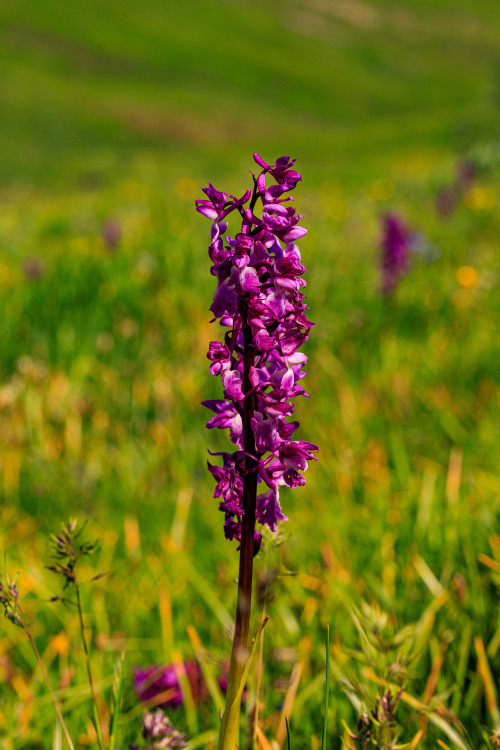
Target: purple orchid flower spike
259, 283
395, 255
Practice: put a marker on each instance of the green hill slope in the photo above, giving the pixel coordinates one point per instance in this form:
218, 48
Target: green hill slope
90, 86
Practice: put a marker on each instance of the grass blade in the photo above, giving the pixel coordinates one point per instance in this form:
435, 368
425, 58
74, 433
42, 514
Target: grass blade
205, 666
461, 671
230, 721
486, 676
263, 741
288, 702
327, 687
289, 739
57, 741
116, 699
187, 693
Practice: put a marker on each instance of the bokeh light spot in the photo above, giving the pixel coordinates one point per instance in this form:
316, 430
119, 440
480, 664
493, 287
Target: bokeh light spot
104, 342
467, 277
60, 643
480, 199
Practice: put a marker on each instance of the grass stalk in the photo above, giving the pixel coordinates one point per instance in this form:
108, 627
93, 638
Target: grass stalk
57, 707
327, 688
96, 722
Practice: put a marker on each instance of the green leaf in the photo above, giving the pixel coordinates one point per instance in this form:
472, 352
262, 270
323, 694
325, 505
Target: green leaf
231, 718
327, 687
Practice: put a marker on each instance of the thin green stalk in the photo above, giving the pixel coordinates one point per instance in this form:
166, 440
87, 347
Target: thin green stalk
117, 699
45, 676
96, 722
327, 687
229, 731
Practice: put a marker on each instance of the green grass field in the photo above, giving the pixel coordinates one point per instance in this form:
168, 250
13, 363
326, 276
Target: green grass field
122, 112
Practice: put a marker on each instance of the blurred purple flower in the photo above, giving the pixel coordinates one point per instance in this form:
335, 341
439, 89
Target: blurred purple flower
111, 233
395, 251
448, 195
465, 174
32, 268
160, 685
446, 201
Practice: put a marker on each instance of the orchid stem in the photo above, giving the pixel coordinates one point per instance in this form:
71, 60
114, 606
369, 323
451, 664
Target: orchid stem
229, 734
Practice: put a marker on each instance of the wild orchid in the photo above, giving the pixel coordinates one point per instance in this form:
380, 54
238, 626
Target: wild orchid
395, 251
258, 299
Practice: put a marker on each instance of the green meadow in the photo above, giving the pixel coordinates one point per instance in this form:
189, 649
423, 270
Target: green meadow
114, 116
